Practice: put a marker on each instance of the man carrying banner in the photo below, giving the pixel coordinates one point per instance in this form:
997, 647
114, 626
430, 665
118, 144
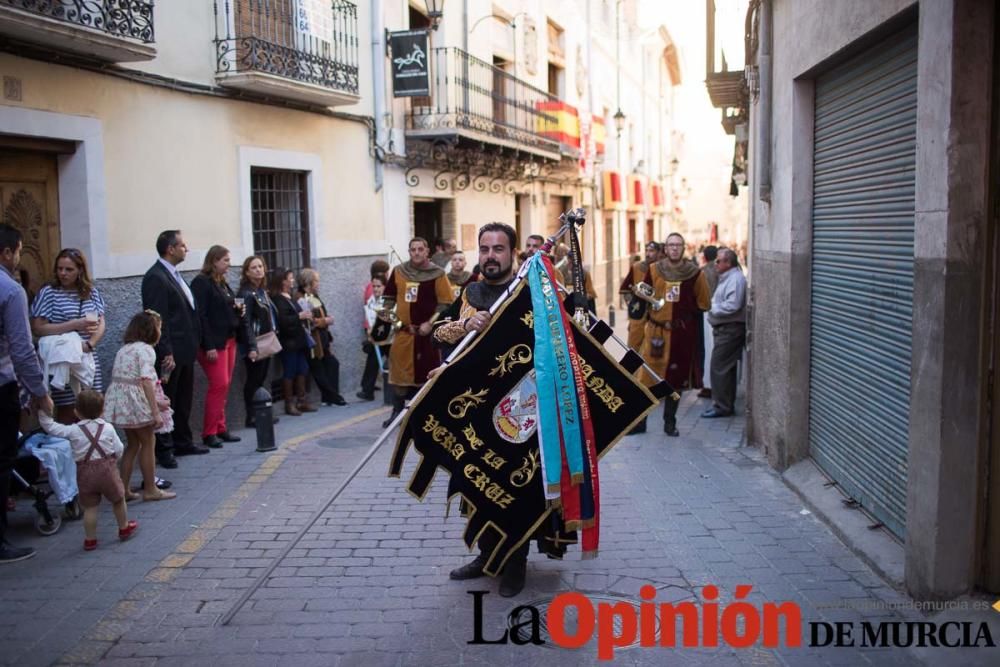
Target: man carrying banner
671, 333
496, 244
520, 413
419, 290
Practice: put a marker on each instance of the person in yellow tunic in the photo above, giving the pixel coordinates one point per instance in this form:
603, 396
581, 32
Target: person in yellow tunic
636, 306
672, 331
458, 276
420, 290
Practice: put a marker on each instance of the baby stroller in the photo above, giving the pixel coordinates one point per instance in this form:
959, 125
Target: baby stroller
31, 476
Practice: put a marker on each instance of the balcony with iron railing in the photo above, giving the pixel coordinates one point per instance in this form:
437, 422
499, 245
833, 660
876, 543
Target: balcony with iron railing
473, 100
303, 50
109, 30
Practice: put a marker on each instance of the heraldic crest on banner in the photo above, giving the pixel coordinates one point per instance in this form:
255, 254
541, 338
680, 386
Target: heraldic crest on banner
499, 419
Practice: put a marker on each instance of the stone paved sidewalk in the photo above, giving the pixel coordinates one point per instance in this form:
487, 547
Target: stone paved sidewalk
368, 584
54, 599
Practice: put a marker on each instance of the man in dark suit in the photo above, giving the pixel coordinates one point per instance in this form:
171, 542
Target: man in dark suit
164, 290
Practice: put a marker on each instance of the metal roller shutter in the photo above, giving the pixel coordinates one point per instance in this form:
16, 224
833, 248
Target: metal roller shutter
862, 275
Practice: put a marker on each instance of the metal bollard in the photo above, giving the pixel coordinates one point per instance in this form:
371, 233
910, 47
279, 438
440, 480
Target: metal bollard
611, 315
264, 417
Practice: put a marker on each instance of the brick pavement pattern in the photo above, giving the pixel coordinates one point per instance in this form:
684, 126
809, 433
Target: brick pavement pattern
368, 583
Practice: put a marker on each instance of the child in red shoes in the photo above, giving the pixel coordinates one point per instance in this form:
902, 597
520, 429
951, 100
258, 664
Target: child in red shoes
96, 448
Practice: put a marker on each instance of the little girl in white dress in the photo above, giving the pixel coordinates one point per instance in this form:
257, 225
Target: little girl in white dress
135, 402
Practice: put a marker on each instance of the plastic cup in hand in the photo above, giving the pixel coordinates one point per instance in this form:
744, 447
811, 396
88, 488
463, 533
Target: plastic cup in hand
91, 316
239, 301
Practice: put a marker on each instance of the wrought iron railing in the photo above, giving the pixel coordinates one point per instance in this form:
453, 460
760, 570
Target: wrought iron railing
122, 18
469, 93
313, 41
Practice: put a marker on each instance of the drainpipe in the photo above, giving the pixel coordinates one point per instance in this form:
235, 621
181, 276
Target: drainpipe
378, 88
764, 106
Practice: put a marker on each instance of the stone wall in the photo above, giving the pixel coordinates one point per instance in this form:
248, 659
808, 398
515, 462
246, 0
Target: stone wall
342, 282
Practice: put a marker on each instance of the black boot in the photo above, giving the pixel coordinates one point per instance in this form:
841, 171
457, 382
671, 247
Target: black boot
670, 416
471, 570
512, 580
398, 403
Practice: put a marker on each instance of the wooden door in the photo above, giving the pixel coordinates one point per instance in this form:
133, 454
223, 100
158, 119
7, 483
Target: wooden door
29, 201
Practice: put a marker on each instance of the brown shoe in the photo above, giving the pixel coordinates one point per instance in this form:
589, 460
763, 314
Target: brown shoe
291, 409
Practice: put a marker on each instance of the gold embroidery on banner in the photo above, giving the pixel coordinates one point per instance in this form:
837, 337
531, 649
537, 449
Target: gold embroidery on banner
526, 472
519, 354
490, 489
491, 459
458, 406
474, 440
529, 319
444, 437
600, 388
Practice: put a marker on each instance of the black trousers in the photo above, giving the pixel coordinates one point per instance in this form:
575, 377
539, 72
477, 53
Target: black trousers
370, 373
256, 377
728, 350
10, 418
326, 374
180, 391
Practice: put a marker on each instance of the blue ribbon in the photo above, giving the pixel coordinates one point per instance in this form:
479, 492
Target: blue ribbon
557, 397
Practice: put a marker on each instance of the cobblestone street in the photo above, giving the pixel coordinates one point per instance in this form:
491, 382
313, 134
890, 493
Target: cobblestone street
368, 583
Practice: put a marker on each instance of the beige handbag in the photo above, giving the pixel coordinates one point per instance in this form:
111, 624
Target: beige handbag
267, 345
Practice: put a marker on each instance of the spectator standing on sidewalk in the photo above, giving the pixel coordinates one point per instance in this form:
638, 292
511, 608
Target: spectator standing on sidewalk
257, 321
323, 363
132, 403
729, 328
295, 342
708, 256
373, 349
165, 292
70, 303
18, 363
219, 319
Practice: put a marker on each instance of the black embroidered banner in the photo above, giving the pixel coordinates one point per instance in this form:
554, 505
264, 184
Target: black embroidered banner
477, 420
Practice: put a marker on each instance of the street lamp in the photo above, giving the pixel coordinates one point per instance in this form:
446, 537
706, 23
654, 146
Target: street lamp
435, 12
619, 121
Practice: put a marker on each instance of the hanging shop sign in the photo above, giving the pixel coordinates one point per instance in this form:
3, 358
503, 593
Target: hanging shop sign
410, 63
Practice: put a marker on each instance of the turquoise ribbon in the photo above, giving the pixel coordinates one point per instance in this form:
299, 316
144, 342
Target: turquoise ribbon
557, 397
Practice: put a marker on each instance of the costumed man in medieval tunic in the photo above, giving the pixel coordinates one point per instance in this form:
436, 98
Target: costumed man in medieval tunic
458, 276
671, 335
420, 291
496, 244
636, 306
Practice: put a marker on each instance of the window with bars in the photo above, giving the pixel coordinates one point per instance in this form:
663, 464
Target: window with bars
280, 217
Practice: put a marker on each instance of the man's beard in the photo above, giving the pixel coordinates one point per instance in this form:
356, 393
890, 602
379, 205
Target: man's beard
493, 271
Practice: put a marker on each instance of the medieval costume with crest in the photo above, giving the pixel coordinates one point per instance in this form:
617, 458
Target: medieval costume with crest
672, 333
419, 294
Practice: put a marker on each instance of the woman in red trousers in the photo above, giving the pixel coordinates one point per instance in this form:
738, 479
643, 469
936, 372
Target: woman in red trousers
220, 315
